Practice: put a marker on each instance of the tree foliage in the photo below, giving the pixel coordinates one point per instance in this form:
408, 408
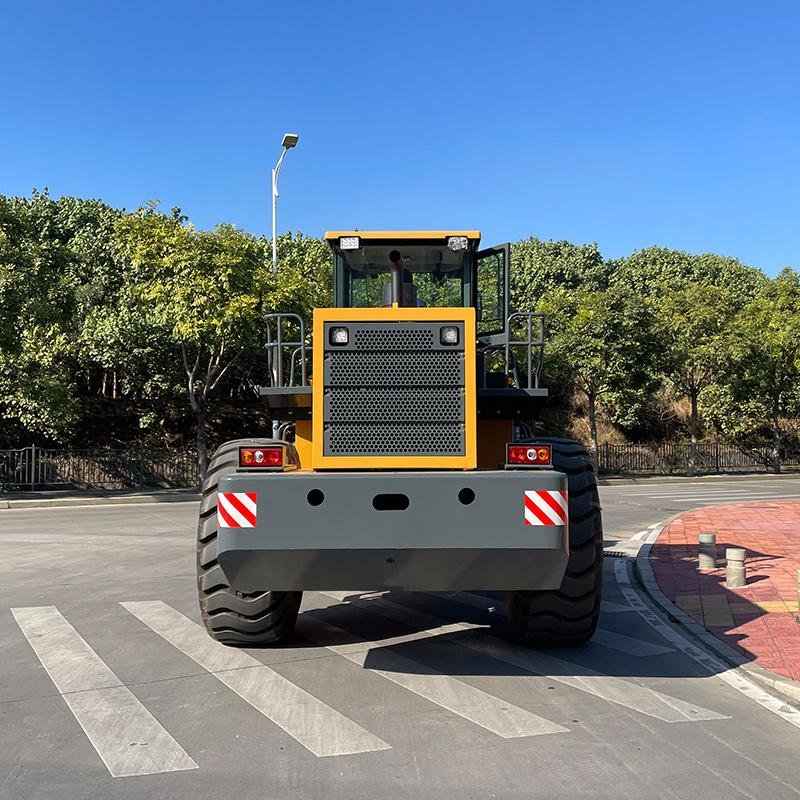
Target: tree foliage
605, 344
761, 384
57, 260
539, 267
651, 271
695, 321
143, 316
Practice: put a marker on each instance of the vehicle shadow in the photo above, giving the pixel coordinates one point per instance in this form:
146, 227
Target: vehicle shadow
485, 645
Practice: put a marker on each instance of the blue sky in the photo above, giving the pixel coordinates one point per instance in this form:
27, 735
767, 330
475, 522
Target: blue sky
624, 123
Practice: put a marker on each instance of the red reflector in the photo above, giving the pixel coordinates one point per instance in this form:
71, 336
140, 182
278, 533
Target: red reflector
261, 456
529, 455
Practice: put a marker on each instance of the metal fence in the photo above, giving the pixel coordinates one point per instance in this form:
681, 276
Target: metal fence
30, 468
39, 467
679, 458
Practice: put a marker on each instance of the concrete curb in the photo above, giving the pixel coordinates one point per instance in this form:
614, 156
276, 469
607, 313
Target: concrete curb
625, 480
99, 500
785, 687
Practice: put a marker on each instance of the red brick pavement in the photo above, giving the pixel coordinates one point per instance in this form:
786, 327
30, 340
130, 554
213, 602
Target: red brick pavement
760, 619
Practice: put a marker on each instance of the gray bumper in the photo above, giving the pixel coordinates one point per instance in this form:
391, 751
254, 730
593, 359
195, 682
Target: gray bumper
438, 543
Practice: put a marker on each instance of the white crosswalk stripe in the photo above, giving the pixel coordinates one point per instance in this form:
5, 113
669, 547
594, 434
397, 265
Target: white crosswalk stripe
628, 645
480, 601
606, 638
610, 607
692, 492
314, 724
706, 500
614, 690
466, 701
127, 737
492, 605
114, 720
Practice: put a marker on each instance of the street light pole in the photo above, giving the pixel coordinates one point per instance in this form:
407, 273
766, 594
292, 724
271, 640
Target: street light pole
289, 141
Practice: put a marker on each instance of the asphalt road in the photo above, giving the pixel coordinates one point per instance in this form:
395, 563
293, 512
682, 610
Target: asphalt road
108, 689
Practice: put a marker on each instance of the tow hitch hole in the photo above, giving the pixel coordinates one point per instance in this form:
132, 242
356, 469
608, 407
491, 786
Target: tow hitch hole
390, 502
466, 496
315, 497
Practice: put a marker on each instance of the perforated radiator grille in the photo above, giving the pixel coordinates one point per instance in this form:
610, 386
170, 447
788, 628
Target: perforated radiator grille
394, 390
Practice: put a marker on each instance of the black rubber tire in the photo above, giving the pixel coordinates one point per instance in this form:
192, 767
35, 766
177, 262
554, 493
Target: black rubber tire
567, 617
235, 618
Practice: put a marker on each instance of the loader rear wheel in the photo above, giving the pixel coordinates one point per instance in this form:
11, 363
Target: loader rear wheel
567, 616
231, 617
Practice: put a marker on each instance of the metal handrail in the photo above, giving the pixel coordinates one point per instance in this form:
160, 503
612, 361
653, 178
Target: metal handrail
529, 342
277, 346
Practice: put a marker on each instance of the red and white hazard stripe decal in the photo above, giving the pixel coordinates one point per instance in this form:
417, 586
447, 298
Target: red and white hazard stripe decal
236, 509
543, 507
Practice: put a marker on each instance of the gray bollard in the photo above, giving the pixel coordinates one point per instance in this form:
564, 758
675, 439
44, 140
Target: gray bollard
707, 556
735, 576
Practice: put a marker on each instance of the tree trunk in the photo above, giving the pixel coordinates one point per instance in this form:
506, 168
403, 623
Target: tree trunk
695, 430
197, 401
776, 439
593, 427
202, 443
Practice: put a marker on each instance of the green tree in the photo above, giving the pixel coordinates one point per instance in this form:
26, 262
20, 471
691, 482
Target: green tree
199, 297
539, 267
762, 381
655, 270
695, 324
604, 344
202, 289
56, 262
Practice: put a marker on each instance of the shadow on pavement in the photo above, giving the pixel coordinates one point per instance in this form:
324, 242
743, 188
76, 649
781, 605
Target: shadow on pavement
757, 621
433, 653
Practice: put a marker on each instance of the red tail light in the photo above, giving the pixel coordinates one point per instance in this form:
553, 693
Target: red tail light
261, 457
529, 455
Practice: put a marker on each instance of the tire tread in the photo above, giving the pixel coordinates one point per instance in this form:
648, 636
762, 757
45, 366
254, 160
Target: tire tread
235, 618
567, 616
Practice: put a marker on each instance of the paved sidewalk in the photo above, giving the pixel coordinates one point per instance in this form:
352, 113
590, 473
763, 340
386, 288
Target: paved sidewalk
759, 620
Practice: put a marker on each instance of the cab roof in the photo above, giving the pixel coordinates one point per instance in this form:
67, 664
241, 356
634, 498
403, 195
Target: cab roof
332, 235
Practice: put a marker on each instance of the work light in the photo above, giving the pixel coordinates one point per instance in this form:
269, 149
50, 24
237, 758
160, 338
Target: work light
448, 335
339, 336
457, 243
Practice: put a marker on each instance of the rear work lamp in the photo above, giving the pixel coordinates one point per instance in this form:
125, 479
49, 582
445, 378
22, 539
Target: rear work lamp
269, 457
457, 243
340, 336
528, 455
449, 335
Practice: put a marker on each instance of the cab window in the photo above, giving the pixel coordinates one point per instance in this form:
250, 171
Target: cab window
433, 275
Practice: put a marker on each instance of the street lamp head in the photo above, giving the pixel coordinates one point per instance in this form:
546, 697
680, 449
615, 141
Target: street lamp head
290, 140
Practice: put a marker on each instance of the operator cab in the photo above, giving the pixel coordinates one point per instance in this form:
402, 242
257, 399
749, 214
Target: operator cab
420, 270
432, 269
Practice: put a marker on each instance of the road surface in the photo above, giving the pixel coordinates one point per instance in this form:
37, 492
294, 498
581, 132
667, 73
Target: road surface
109, 689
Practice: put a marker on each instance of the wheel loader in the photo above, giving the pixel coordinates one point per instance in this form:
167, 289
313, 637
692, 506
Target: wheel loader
404, 458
